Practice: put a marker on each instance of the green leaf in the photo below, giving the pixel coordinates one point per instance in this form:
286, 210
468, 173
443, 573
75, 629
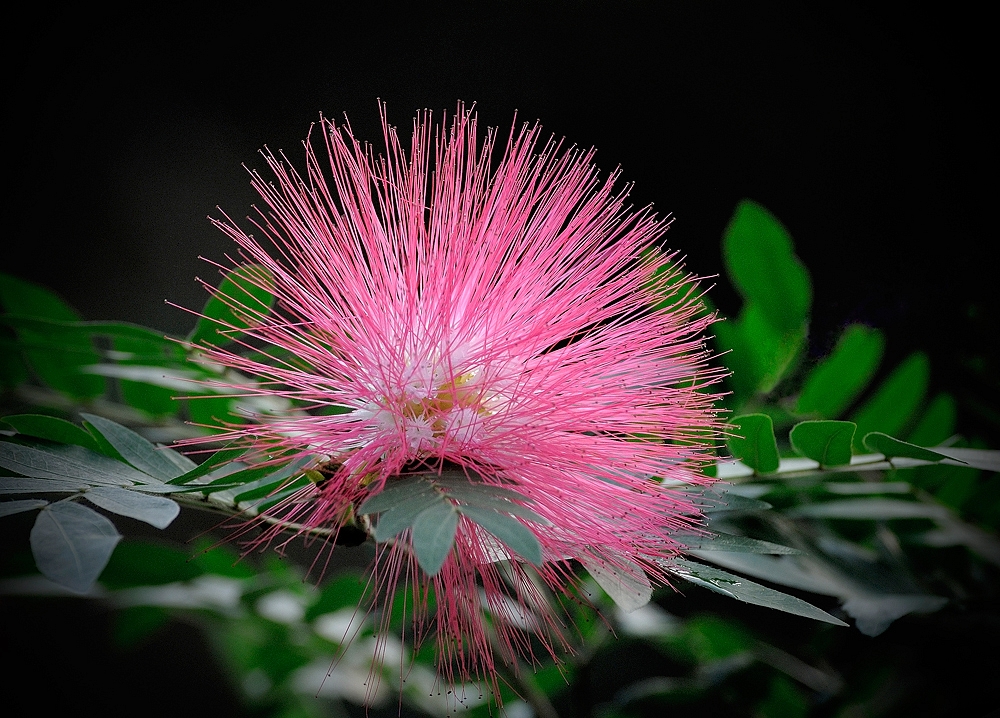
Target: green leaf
895, 401
509, 531
27, 299
433, 535
623, 580
759, 355
730, 542
828, 442
14, 485
743, 590
52, 429
143, 563
219, 458
761, 262
8, 508
395, 492
72, 544
716, 498
837, 381
402, 515
937, 423
892, 448
135, 449
754, 443
242, 300
156, 511
71, 462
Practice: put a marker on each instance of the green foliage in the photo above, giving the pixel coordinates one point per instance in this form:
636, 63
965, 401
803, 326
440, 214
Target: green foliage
836, 382
827, 442
242, 299
754, 443
762, 265
895, 402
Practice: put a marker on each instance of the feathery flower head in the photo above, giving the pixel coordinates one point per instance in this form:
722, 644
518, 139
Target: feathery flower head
483, 361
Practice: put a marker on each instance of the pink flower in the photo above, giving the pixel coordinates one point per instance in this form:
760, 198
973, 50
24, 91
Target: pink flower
502, 326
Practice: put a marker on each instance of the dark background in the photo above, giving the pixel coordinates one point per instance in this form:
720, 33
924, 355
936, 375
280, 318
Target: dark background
864, 131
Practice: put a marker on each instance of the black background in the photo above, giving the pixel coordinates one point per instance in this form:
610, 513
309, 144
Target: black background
864, 131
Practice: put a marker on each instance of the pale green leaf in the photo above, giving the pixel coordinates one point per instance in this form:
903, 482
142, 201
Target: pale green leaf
433, 536
509, 531
71, 544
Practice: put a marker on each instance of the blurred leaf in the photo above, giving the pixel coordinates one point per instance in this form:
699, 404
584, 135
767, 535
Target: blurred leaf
836, 381
343, 591
135, 623
718, 498
433, 536
51, 428
27, 299
53, 350
210, 412
937, 422
623, 580
8, 508
241, 301
743, 590
154, 510
13, 370
873, 613
509, 531
143, 563
136, 450
754, 443
761, 262
895, 401
759, 355
892, 448
783, 700
828, 442
870, 509
72, 544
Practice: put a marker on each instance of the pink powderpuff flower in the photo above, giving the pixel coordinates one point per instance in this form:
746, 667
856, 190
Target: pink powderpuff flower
443, 320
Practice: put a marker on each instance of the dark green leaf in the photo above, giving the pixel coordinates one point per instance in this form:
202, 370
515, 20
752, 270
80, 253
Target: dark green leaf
219, 458
242, 300
136, 450
509, 531
754, 443
895, 401
31, 300
937, 422
51, 428
892, 448
828, 442
743, 590
715, 499
72, 544
762, 264
141, 563
433, 536
831, 387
